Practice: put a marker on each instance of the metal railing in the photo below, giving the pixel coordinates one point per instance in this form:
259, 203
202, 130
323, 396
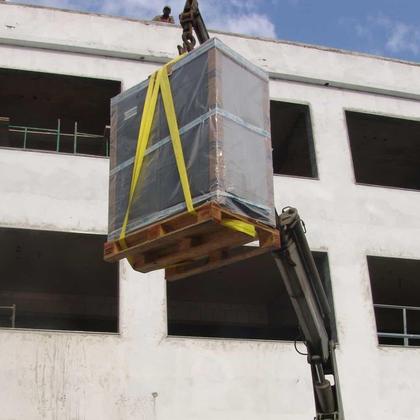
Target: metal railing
405, 335
59, 137
12, 316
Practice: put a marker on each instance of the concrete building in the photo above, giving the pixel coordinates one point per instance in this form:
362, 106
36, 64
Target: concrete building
96, 341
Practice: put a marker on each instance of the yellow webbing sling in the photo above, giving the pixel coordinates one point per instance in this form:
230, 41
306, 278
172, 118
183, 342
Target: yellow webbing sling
239, 226
159, 81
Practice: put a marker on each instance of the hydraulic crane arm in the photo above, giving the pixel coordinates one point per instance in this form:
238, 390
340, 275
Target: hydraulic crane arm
191, 20
300, 276
297, 269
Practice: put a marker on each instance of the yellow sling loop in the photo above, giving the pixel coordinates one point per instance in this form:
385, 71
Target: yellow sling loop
159, 81
239, 226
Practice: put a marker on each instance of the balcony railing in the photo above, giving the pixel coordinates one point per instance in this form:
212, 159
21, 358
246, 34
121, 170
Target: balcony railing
55, 140
405, 336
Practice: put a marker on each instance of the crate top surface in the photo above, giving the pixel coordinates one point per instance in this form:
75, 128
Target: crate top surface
202, 49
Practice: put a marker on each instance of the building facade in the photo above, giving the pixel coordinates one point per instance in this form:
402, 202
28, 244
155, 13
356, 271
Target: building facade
86, 340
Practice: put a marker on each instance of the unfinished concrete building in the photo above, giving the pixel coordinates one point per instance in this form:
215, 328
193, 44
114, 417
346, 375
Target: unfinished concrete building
82, 339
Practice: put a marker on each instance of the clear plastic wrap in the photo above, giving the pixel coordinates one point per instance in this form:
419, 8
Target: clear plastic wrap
222, 107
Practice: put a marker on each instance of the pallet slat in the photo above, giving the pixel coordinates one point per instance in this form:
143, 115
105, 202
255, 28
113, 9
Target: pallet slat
215, 261
187, 244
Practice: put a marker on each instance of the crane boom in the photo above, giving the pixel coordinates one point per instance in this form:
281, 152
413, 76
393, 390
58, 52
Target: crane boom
191, 20
304, 287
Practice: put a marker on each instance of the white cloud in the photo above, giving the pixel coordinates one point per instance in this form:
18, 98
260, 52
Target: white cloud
250, 24
241, 16
404, 38
387, 35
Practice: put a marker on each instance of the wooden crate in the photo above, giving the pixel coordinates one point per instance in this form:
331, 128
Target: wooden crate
187, 244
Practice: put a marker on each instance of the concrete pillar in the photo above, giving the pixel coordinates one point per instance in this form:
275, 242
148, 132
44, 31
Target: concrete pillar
4, 129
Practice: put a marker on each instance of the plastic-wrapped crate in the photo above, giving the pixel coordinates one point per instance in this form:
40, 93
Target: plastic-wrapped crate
222, 107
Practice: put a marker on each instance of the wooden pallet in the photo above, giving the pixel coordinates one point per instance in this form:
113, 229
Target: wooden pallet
187, 244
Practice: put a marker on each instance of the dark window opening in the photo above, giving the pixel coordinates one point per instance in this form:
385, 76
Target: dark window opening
245, 300
292, 141
386, 151
52, 112
57, 281
395, 287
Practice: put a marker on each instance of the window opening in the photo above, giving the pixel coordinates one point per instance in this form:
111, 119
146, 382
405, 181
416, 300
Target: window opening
57, 281
396, 298
57, 113
292, 140
245, 300
385, 150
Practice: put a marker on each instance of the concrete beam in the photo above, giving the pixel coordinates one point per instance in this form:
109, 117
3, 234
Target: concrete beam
130, 39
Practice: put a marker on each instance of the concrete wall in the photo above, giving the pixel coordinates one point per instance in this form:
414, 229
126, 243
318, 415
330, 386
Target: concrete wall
143, 374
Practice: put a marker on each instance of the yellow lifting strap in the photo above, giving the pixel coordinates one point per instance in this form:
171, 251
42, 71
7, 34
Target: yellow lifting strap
168, 104
239, 226
159, 81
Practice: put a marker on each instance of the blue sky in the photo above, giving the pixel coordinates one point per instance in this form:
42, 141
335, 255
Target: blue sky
384, 27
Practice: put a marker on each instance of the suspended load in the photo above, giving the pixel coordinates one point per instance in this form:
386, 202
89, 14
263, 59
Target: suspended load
191, 178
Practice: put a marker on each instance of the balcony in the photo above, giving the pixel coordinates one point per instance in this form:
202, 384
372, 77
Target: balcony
54, 139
